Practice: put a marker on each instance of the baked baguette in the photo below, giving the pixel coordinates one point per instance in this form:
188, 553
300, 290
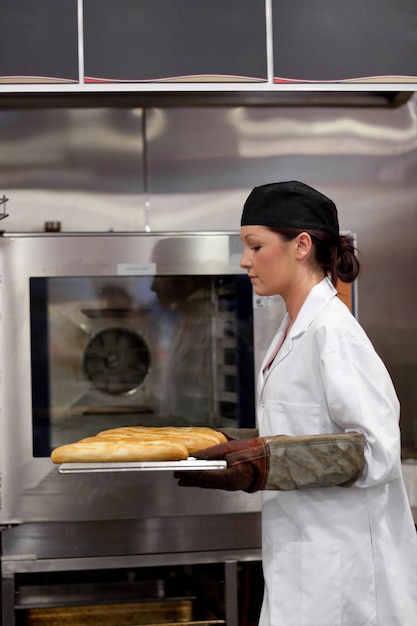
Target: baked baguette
194, 438
98, 450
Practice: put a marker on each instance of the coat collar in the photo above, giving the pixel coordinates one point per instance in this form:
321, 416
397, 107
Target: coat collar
318, 297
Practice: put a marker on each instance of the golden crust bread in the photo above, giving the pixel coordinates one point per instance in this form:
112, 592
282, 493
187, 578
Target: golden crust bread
96, 450
139, 443
194, 438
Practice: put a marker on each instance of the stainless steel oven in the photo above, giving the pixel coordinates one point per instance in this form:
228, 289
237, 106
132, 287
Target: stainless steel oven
112, 329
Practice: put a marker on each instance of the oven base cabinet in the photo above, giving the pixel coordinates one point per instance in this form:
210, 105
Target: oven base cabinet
58, 575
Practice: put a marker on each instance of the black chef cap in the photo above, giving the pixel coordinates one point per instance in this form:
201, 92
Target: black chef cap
290, 204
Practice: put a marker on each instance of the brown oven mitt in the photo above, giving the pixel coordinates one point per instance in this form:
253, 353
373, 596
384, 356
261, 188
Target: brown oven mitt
281, 463
247, 466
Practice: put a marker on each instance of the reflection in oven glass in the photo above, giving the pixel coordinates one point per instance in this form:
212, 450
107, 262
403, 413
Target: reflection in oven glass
129, 350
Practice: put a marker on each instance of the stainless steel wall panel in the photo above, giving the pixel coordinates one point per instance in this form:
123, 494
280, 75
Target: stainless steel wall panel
83, 167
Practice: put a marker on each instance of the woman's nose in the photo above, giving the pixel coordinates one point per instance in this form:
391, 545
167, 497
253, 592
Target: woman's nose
243, 261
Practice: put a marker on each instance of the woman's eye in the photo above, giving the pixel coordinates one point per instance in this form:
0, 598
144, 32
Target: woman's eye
255, 248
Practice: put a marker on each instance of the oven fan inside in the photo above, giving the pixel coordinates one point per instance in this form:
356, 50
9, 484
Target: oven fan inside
116, 360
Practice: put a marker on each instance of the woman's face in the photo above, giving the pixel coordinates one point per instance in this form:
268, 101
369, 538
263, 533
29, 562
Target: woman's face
269, 260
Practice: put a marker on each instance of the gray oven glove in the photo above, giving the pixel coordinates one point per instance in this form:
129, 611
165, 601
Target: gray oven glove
281, 463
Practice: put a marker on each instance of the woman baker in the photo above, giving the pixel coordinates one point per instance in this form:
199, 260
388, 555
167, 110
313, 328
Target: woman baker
338, 538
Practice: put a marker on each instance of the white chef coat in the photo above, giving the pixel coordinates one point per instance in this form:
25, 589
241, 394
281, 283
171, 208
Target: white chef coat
336, 556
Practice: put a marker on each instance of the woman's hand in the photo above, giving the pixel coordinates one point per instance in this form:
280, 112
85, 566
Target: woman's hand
247, 467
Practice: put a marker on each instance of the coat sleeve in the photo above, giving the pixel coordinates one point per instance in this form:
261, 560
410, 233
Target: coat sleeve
334, 460
361, 398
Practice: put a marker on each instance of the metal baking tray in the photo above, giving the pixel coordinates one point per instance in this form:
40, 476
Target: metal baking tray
140, 466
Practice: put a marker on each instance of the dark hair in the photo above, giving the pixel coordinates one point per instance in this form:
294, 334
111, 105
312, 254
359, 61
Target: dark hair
334, 253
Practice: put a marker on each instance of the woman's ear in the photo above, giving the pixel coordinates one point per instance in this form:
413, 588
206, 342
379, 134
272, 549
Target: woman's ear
304, 244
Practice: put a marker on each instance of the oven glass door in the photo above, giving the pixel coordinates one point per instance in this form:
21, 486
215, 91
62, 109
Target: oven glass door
110, 351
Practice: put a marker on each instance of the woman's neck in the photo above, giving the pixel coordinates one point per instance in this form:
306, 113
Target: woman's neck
295, 299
